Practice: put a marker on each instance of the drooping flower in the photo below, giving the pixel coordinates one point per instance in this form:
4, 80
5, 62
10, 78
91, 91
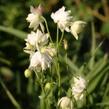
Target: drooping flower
35, 17
77, 27
62, 18
36, 39
40, 61
65, 103
78, 87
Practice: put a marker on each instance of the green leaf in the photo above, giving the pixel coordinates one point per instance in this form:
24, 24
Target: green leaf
95, 80
15, 32
97, 68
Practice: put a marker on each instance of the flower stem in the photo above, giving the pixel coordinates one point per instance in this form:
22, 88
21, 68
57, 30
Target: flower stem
57, 65
42, 100
57, 37
61, 37
47, 28
40, 83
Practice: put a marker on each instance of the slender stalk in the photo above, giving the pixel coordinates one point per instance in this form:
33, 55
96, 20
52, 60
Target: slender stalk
57, 65
47, 28
42, 100
57, 36
39, 81
93, 46
61, 37
11, 97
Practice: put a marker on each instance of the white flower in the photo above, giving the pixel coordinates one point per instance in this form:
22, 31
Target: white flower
34, 18
62, 18
78, 87
40, 61
37, 39
77, 27
65, 103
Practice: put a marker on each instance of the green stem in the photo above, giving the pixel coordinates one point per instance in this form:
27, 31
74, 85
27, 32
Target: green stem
93, 43
57, 37
42, 100
58, 72
61, 37
40, 83
12, 99
57, 65
47, 28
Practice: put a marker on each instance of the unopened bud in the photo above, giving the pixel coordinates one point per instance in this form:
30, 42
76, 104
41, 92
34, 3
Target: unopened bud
77, 27
65, 44
65, 103
48, 86
27, 73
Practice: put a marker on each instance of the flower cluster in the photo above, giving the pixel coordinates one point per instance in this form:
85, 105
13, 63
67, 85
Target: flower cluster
41, 53
64, 21
78, 87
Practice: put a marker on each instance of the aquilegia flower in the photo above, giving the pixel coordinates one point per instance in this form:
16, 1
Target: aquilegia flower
35, 17
65, 103
37, 39
40, 61
77, 27
78, 87
62, 18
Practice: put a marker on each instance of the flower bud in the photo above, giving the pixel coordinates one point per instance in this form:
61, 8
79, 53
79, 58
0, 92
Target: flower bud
77, 27
65, 103
65, 44
27, 73
48, 86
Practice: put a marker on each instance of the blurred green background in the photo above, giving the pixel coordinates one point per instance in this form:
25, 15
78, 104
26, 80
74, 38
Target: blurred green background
90, 52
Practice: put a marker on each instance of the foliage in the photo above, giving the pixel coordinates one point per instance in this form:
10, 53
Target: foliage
88, 56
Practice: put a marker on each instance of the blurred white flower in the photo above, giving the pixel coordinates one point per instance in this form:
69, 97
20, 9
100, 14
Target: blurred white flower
34, 18
40, 61
65, 103
62, 18
37, 39
78, 87
77, 27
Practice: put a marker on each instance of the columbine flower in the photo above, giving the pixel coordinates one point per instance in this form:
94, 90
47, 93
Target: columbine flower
35, 17
65, 103
78, 88
62, 18
37, 39
40, 61
77, 27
